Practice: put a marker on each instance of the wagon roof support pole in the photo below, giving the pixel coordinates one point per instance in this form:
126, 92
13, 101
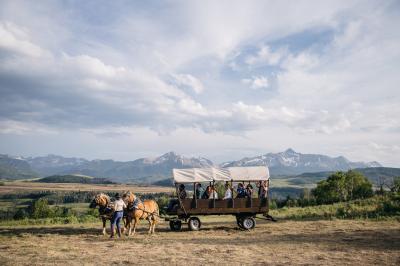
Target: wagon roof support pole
195, 194
213, 193
232, 198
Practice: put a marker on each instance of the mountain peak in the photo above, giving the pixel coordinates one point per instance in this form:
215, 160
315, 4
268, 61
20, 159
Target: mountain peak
290, 150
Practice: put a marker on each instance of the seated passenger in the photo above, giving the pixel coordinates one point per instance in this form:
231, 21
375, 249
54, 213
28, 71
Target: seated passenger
262, 189
241, 192
213, 194
207, 193
199, 191
228, 192
173, 203
249, 191
182, 192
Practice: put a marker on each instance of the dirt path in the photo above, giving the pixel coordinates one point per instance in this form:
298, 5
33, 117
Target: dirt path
219, 243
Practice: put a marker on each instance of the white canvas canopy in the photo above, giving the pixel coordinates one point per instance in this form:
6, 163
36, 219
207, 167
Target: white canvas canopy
198, 175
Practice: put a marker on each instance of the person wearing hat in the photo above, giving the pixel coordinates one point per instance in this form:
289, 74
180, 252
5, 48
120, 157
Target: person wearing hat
119, 206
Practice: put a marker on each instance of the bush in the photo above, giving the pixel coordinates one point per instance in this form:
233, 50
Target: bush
342, 186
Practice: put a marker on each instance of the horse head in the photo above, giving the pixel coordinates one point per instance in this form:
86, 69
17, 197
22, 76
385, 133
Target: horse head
129, 197
101, 200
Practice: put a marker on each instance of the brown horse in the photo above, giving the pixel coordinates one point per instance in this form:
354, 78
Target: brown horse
105, 208
138, 210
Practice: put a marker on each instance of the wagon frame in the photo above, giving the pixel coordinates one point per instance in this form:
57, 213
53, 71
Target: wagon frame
244, 209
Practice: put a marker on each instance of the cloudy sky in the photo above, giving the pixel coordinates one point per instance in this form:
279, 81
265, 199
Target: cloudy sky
220, 79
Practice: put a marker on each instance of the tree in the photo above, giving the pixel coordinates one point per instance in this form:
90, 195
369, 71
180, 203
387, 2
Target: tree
341, 186
41, 209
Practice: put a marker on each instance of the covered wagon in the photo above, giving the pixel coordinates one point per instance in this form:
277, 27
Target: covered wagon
244, 209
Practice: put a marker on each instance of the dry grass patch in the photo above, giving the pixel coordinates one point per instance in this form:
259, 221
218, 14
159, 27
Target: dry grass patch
219, 242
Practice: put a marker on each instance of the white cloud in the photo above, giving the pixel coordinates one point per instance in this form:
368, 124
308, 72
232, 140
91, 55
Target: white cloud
15, 39
266, 57
256, 82
190, 81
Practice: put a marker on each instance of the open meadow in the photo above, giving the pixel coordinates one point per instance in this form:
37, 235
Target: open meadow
220, 242
23, 186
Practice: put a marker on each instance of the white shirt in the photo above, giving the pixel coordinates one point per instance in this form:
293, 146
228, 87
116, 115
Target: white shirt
214, 195
228, 194
119, 205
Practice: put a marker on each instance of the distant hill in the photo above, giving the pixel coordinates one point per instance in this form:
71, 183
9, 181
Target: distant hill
14, 168
290, 162
372, 173
73, 179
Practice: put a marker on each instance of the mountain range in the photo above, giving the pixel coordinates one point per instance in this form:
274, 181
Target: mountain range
150, 170
290, 162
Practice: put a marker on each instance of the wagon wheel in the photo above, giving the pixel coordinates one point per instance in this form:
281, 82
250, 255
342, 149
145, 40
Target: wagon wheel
194, 224
175, 225
248, 223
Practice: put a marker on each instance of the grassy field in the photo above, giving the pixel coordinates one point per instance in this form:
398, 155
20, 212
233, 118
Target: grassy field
22, 186
220, 242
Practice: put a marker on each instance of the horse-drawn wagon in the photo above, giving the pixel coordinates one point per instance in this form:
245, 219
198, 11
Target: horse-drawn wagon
244, 209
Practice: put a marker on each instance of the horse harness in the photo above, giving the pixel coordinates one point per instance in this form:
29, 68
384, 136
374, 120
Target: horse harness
135, 205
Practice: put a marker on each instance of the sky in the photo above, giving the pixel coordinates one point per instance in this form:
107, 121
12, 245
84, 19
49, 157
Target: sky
219, 79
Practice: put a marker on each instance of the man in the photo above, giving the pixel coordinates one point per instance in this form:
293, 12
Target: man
173, 203
241, 191
199, 191
119, 206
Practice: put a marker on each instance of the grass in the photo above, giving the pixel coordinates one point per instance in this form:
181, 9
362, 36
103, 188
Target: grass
220, 242
21, 186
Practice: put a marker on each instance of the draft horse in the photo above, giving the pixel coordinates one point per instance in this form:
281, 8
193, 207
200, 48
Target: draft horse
140, 210
106, 210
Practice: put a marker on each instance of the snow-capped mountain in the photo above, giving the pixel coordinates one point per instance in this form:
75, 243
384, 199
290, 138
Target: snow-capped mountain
139, 169
291, 162
149, 170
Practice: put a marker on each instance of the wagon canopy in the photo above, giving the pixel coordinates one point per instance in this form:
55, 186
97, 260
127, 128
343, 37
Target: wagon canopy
191, 175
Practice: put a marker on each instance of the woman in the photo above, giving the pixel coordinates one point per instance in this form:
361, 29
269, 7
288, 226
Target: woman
262, 189
207, 193
249, 191
119, 206
228, 191
213, 194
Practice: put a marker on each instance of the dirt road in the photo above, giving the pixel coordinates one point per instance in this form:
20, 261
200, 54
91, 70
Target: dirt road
219, 242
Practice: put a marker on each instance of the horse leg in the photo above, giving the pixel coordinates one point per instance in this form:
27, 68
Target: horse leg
154, 224
135, 223
150, 224
104, 226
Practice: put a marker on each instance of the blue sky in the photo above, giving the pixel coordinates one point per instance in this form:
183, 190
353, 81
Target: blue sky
219, 79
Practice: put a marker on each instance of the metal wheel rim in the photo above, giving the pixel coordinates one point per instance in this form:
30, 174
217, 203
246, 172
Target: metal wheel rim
248, 223
195, 223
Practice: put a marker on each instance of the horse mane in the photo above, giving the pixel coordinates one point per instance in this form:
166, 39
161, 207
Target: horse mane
102, 199
129, 197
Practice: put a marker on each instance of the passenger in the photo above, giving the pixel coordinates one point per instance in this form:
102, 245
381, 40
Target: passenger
173, 204
119, 206
182, 192
199, 191
249, 191
213, 194
262, 189
207, 193
228, 191
241, 192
